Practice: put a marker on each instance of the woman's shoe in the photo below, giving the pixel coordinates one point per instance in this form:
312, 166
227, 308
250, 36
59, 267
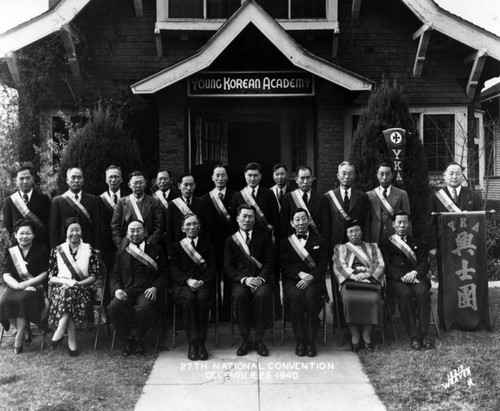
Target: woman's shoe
73, 353
355, 347
18, 350
369, 346
29, 337
56, 343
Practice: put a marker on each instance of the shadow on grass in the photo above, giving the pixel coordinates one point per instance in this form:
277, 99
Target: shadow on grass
9, 379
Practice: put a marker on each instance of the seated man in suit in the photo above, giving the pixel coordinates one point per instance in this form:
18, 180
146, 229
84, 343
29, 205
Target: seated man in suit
303, 257
406, 271
137, 284
249, 263
192, 270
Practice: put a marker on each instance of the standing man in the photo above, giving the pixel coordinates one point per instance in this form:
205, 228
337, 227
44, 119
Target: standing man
218, 226
27, 203
452, 198
280, 177
249, 263
342, 205
303, 257
76, 203
303, 197
406, 269
181, 206
137, 206
385, 201
165, 194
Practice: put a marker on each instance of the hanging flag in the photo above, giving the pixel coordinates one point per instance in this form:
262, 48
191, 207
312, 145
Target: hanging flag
395, 139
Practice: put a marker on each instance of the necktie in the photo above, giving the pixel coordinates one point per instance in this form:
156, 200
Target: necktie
76, 197
385, 193
455, 195
280, 196
346, 201
165, 195
253, 193
115, 198
221, 196
304, 197
193, 244
302, 236
188, 202
25, 198
248, 238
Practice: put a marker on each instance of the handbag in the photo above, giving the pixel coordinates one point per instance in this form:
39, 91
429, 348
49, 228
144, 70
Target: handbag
357, 285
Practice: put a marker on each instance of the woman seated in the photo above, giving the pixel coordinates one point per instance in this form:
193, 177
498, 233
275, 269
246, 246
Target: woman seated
359, 269
73, 267
25, 273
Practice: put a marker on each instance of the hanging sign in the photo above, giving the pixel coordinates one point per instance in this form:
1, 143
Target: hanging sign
395, 139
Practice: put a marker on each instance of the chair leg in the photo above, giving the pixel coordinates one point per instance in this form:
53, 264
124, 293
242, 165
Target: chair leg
274, 324
283, 322
113, 340
325, 328
174, 311
435, 321
1, 335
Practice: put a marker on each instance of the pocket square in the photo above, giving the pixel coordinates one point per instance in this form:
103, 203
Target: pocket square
315, 247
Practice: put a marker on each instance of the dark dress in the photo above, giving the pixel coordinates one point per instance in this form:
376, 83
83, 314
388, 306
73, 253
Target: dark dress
75, 301
19, 303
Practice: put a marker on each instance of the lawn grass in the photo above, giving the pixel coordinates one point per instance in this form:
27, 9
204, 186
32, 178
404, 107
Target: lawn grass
413, 380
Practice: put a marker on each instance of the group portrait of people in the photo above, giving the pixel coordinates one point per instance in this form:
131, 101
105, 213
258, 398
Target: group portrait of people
168, 246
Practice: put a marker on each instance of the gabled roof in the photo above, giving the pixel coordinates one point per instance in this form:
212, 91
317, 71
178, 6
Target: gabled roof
251, 12
40, 26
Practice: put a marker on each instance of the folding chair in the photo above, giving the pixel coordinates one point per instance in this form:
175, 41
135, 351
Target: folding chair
99, 302
40, 333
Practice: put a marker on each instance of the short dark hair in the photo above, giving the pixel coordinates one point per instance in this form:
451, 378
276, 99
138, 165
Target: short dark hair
136, 173
25, 223
22, 167
113, 167
185, 175
253, 166
453, 163
278, 166
245, 206
136, 221
71, 220
73, 168
386, 164
189, 215
300, 210
219, 166
164, 170
400, 213
303, 167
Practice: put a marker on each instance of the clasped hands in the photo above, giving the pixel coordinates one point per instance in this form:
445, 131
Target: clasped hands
410, 278
360, 275
149, 293
23, 287
305, 280
194, 284
254, 283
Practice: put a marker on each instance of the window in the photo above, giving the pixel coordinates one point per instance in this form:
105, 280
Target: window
210, 141
438, 140
490, 149
298, 142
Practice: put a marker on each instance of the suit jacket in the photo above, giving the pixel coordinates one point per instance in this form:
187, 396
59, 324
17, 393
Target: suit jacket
397, 264
274, 189
292, 264
289, 207
60, 211
123, 215
237, 265
173, 193
121, 275
39, 204
217, 228
468, 200
398, 199
267, 202
175, 217
332, 224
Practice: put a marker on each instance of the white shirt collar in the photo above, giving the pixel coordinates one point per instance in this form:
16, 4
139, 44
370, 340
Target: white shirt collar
29, 193
72, 195
381, 189
450, 189
308, 194
141, 246
256, 188
343, 190
118, 194
195, 240
244, 234
223, 191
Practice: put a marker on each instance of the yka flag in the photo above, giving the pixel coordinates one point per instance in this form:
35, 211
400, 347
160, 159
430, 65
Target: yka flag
465, 280
395, 138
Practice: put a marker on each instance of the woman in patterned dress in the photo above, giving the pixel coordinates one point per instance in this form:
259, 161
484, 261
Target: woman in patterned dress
73, 267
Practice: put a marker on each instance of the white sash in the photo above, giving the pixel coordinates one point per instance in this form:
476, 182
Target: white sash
18, 201
447, 201
191, 252
299, 203
219, 205
360, 254
106, 198
260, 215
301, 251
163, 200
142, 257
334, 200
241, 243
182, 206
135, 207
80, 266
19, 263
404, 248
73, 203
384, 202
275, 191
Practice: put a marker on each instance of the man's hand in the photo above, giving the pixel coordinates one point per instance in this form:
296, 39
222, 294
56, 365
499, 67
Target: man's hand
121, 295
305, 280
433, 252
151, 293
254, 282
358, 277
194, 284
410, 277
30, 288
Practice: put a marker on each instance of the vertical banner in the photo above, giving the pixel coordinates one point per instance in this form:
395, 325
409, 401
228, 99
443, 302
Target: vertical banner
465, 279
395, 138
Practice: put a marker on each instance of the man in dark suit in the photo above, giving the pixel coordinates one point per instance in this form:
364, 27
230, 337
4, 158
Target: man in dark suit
261, 198
75, 203
193, 272
302, 197
27, 203
137, 206
406, 270
303, 257
280, 177
249, 263
452, 198
218, 225
342, 205
165, 193
385, 201
137, 283
179, 207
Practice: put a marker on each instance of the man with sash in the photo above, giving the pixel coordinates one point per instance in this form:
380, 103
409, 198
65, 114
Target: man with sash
27, 204
192, 268
385, 200
181, 206
218, 226
303, 197
280, 177
76, 203
340, 206
165, 193
137, 206
260, 198
249, 263
137, 284
408, 282
303, 257
453, 198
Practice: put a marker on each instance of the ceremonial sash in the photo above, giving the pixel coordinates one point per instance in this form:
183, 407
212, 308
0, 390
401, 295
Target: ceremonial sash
336, 204
19, 263
71, 265
275, 193
359, 254
108, 201
135, 208
447, 201
301, 251
219, 205
240, 242
404, 248
182, 206
384, 202
76, 205
299, 203
26, 212
163, 200
260, 215
143, 257
191, 252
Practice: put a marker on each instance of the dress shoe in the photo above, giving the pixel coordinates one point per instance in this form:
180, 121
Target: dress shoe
311, 349
427, 344
18, 350
139, 348
300, 349
128, 348
244, 348
202, 352
193, 351
415, 344
73, 353
56, 343
355, 347
29, 337
369, 346
261, 348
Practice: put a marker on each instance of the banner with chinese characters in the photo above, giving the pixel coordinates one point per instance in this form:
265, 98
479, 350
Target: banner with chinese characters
465, 280
395, 138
